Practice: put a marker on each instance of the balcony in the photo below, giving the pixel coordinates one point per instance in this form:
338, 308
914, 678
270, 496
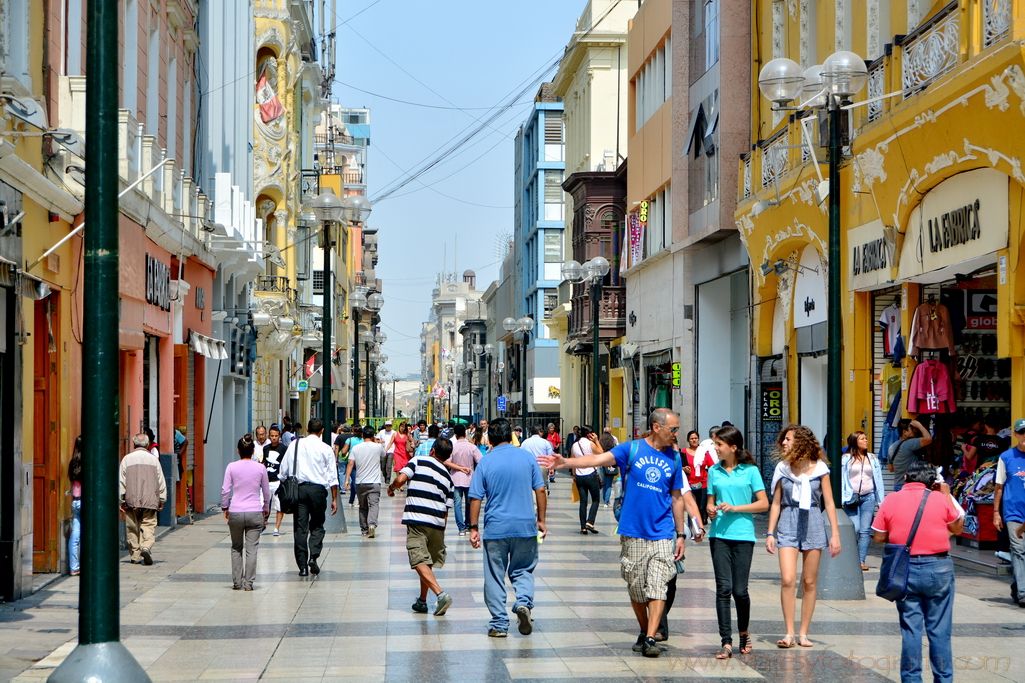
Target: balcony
960, 32
611, 315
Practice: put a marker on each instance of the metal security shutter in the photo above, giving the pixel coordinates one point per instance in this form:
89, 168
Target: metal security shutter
190, 421
880, 302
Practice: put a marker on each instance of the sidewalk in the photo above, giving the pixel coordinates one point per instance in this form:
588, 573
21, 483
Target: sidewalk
182, 621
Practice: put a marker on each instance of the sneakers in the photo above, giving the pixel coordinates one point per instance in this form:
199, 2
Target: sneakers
444, 601
147, 557
420, 606
314, 567
526, 623
462, 533
639, 644
495, 633
372, 532
277, 532
649, 648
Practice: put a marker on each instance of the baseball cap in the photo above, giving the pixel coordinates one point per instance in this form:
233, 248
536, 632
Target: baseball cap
387, 423
1019, 425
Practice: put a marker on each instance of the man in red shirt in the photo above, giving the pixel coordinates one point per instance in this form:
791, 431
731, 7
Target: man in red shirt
929, 603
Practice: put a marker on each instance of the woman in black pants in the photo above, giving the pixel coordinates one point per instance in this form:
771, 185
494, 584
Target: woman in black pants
587, 480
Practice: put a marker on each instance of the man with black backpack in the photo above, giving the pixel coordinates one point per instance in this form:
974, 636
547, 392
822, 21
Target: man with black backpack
651, 519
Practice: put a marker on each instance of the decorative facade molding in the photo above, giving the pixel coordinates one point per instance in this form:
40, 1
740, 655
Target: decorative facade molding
806, 33
841, 27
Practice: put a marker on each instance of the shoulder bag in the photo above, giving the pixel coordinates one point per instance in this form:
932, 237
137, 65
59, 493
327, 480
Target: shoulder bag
288, 489
893, 574
617, 504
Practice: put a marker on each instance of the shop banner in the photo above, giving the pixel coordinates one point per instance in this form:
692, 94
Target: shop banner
810, 290
962, 218
636, 239
871, 257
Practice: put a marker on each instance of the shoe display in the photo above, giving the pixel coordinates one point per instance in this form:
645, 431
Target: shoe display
526, 626
444, 602
420, 606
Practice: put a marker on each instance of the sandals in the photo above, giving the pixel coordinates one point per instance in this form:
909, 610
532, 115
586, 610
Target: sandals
803, 641
725, 652
786, 642
745, 644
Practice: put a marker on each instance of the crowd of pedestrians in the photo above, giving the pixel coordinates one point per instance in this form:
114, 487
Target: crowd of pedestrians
497, 483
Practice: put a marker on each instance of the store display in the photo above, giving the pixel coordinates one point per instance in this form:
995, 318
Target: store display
931, 390
931, 329
889, 320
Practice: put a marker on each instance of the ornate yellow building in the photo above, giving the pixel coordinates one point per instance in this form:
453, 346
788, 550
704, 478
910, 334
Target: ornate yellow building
932, 202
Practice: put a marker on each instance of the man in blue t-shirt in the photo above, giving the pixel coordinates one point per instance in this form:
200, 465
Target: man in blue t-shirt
651, 523
1009, 507
510, 480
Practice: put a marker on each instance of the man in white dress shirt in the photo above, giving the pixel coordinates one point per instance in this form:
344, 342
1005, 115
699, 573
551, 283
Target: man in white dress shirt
315, 469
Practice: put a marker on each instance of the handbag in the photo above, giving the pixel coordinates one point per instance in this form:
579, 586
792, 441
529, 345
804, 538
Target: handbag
288, 489
893, 574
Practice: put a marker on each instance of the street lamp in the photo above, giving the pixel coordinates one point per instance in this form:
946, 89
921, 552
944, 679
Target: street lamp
459, 368
593, 272
488, 351
500, 367
524, 325
842, 75
329, 210
358, 302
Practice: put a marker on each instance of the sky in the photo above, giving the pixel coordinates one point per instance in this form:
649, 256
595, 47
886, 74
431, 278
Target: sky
461, 57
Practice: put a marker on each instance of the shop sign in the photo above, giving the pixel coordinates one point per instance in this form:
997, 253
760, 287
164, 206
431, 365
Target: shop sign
772, 404
871, 256
960, 219
677, 375
158, 283
200, 298
810, 290
302, 385
502, 403
546, 390
982, 309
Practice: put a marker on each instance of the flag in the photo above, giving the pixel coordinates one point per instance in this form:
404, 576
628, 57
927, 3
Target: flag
309, 366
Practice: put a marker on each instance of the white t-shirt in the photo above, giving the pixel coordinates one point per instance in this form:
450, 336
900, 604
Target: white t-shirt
367, 459
383, 436
580, 448
706, 447
889, 319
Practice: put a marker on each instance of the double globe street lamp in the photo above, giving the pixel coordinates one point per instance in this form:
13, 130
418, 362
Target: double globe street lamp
592, 272
488, 351
361, 301
830, 87
521, 326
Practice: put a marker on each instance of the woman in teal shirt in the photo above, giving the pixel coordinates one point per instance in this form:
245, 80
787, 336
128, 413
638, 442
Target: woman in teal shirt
735, 493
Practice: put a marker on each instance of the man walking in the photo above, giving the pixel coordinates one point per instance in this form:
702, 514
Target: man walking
506, 478
427, 502
260, 443
315, 469
143, 492
427, 442
464, 454
386, 438
655, 496
1009, 507
272, 454
540, 447
365, 461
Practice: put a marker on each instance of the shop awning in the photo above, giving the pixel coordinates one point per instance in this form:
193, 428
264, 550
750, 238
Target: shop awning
208, 347
8, 272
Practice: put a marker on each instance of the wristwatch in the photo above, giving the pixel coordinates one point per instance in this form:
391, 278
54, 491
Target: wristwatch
680, 534
474, 527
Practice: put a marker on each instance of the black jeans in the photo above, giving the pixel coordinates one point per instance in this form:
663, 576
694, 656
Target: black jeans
663, 625
588, 485
309, 523
731, 561
701, 498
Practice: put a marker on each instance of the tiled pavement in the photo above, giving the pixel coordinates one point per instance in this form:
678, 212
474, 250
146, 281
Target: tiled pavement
182, 621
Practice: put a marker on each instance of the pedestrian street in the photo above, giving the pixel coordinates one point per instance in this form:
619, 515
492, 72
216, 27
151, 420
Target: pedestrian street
183, 622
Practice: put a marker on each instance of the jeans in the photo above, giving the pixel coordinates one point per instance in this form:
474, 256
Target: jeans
245, 529
309, 523
929, 606
342, 464
731, 561
515, 557
461, 503
607, 480
701, 498
352, 486
860, 511
75, 540
386, 467
588, 486
369, 502
1017, 559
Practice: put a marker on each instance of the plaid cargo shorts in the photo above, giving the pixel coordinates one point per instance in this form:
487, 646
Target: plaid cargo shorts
646, 566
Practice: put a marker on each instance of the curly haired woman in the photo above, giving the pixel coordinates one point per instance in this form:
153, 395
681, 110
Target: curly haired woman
800, 491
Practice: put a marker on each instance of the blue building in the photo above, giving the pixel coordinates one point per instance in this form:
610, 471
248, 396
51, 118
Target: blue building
538, 246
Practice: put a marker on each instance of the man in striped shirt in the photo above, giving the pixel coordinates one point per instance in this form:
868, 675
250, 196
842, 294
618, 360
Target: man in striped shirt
428, 500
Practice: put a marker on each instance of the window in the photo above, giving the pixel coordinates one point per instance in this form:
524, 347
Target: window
553, 195
551, 302
14, 33
711, 33
153, 80
654, 83
659, 233
172, 109
554, 142
318, 282
553, 246
73, 37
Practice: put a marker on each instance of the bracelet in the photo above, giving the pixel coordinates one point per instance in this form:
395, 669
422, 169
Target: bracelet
770, 534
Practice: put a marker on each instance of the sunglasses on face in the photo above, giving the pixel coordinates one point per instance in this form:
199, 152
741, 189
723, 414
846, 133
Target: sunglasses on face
673, 430
1021, 433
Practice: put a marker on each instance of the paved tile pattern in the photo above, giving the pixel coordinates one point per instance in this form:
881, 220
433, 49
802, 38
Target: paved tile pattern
182, 621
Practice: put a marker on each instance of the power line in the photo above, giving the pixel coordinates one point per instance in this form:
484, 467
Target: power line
416, 104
